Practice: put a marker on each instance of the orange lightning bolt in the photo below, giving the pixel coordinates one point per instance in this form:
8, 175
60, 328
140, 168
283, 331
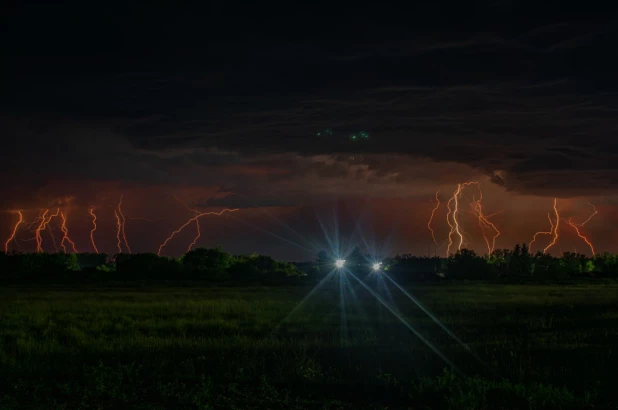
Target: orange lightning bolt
594, 212
541, 233
197, 223
94, 228
45, 220
577, 226
31, 224
555, 227
433, 211
452, 214
118, 230
455, 225
197, 226
19, 221
65, 232
188, 222
485, 223
124, 235
37, 231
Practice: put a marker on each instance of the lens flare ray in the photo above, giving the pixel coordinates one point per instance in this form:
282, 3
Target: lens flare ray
405, 323
436, 320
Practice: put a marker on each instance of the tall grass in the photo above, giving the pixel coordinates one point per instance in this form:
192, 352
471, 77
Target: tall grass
164, 347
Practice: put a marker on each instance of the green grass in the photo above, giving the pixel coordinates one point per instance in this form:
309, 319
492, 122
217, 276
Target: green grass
540, 347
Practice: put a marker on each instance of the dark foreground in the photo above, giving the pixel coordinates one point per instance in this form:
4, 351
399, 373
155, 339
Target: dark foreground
538, 347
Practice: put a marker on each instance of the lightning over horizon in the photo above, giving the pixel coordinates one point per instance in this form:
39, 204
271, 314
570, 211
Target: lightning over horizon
455, 228
43, 225
433, 211
118, 228
456, 217
65, 232
577, 226
94, 228
174, 233
197, 223
14, 232
122, 222
554, 229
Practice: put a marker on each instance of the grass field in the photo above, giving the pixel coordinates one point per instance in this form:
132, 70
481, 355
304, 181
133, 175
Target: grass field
192, 347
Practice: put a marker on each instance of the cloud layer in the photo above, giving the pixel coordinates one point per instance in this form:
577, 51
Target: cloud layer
190, 104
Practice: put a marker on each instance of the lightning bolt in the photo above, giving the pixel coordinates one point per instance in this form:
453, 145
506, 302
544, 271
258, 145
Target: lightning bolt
197, 223
46, 225
37, 231
65, 232
120, 216
44, 222
189, 222
453, 222
553, 230
594, 212
433, 211
455, 225
94, 228
555, 227
452, 214
19, 221
577, 226
541, 233
31, 224
118, 230
485, 223
197, 226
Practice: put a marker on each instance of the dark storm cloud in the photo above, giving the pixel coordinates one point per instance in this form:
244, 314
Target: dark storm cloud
240, 201
189, 96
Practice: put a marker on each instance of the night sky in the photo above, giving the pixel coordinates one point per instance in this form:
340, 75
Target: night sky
232, 106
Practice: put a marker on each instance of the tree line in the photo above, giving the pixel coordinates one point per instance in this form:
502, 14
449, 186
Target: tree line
198, 264
504, 264
215, 264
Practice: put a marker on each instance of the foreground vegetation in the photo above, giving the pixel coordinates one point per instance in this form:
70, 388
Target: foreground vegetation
195, 347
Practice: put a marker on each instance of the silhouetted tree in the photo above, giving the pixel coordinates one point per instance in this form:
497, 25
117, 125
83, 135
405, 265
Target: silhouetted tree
520, 263
146, 266
466, 264
206, 263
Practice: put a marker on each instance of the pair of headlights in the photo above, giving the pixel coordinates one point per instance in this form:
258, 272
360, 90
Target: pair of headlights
340, 262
